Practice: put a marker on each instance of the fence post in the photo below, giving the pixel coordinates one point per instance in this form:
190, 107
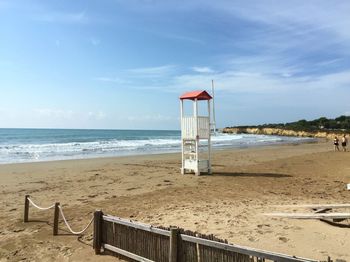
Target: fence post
198, 250
173, 244
97, 242
55, 219
26, 209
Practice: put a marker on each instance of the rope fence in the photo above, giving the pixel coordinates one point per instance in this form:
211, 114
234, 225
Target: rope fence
38, 207
68, 226
58, 210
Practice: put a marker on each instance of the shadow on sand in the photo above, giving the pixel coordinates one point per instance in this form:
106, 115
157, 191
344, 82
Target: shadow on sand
242, 174
336, 224
38, 221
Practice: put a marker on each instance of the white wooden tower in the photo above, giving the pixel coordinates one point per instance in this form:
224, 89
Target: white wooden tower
195, 134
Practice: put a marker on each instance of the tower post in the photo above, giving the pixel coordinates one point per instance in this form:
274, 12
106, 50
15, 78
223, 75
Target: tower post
209, 141
182, 141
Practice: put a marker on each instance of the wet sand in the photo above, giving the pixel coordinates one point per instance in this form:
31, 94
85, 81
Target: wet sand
150, 189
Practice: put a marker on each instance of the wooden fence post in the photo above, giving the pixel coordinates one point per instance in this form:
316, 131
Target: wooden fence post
55, 219
173, 244
198, 250
26, 209
97, 242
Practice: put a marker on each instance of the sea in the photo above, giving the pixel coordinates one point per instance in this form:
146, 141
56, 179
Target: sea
33, 145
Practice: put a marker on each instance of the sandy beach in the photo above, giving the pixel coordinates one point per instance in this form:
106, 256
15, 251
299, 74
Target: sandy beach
229, 204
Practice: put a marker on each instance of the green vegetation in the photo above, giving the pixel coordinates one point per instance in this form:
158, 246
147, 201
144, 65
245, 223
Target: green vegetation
341, 123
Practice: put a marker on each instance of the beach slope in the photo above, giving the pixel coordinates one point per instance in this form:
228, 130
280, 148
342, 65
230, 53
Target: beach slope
229, 204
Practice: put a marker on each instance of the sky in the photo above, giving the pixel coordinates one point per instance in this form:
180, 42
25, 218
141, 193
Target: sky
115, 64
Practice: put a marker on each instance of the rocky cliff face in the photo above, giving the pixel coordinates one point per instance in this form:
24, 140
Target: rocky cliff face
280, 132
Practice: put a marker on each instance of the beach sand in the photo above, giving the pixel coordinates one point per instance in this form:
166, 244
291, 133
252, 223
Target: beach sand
150, 189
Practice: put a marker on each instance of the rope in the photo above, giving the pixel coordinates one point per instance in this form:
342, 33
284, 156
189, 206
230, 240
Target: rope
68, 226
41, 208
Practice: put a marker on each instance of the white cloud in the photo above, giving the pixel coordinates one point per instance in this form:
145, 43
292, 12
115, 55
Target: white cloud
158, 71
182, 38
303, 23
286, 74
142, 78
202, 69
254, 76
57, 17
255, 82
149, 118
329, 62
54, 113
97, 115
117, 80
62, 114
288, 16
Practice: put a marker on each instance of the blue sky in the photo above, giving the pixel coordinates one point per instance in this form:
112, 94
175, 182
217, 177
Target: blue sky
123, 64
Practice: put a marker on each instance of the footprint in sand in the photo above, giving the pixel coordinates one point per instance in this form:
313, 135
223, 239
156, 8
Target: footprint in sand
132, 188
66, 251
92, 196
82, 200
283, 239
263, 225
17, 230
252, 239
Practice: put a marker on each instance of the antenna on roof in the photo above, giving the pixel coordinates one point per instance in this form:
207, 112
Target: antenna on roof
213, 95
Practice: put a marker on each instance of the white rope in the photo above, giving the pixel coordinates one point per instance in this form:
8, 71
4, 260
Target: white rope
41, 208
70, 229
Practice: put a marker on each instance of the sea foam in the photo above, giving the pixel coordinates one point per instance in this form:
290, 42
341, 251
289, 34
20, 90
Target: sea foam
29, 145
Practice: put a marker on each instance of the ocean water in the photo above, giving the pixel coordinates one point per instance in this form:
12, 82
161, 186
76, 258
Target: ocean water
31, 145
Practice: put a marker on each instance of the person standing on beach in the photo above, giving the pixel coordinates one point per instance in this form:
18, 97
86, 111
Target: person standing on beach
344, 142
336, 144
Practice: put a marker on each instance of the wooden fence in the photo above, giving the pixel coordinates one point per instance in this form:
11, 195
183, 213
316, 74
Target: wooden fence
140, 242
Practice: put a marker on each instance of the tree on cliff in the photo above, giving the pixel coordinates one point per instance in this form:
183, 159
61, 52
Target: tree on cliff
340, 123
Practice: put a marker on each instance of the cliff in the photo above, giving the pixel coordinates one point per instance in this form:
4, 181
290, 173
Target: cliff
281, 132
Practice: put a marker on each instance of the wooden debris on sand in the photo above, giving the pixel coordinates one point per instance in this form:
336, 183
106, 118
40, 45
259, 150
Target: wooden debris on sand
320, 211
311, 216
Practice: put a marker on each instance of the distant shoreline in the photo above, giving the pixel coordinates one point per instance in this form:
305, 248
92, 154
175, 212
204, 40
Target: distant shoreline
282, 132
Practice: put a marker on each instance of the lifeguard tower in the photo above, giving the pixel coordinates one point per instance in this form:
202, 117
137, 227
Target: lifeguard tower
195, 134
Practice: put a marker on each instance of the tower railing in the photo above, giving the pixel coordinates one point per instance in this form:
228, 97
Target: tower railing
191, 128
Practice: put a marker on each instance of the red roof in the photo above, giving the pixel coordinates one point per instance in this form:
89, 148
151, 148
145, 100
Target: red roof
200, 95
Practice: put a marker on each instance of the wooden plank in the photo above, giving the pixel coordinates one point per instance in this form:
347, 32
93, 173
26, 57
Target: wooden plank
317, 206
137, 225
125, 253
108, 233
321, 210
310, 216
198, 251
245, 250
